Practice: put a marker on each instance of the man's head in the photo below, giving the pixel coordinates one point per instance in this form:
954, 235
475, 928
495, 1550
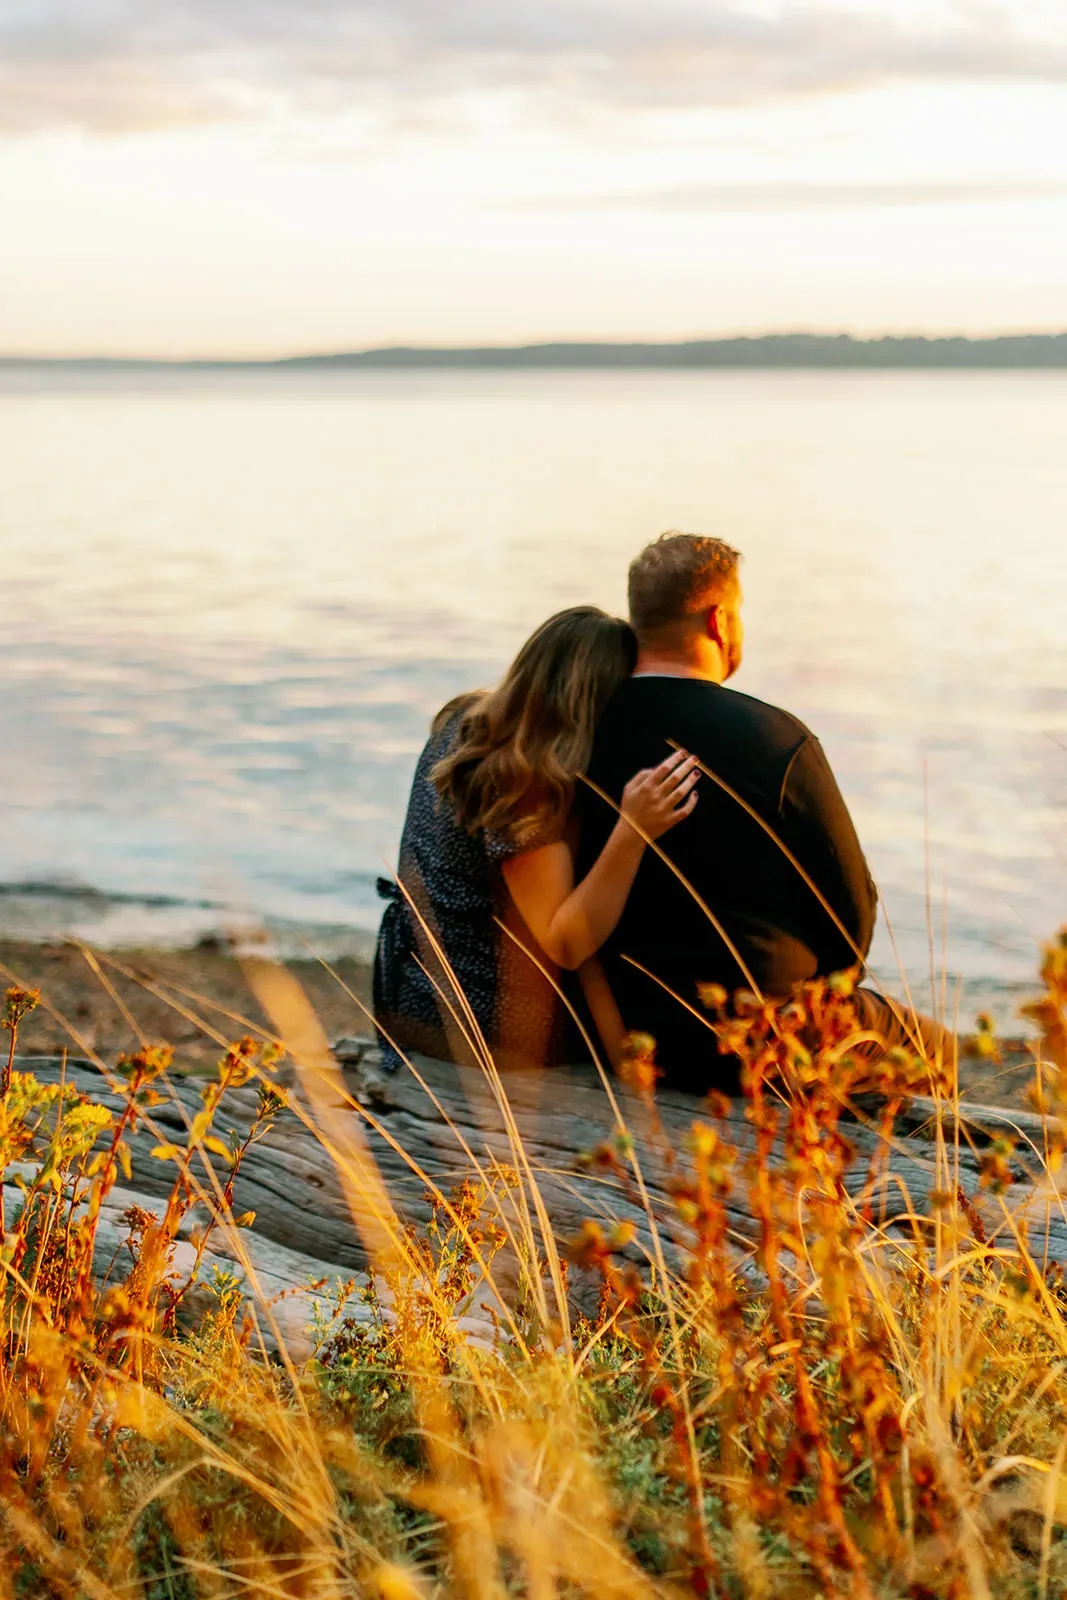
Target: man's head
685, 605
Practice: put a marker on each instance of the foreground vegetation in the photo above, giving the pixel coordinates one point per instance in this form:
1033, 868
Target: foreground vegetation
846, 1407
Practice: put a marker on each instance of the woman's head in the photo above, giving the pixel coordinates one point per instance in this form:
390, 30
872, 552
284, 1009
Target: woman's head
520, 747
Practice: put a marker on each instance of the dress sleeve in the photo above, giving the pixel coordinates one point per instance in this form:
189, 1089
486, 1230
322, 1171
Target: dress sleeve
501, 845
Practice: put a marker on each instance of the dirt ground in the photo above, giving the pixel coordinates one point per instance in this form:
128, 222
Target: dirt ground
192, 999
186, 998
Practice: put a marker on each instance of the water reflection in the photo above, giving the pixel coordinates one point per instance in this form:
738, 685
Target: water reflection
232, 606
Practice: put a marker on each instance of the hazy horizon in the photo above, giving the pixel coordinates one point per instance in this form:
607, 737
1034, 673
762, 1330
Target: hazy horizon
280, 356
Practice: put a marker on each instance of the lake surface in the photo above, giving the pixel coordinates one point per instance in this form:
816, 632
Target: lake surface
233, 602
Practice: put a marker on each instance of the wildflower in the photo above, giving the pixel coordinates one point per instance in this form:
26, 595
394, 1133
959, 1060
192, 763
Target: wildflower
589, 1248
1050, 1010
996, 1173
272, 1101
621, 1235
984, 1043
145, 1064
18, 1003
638, 1065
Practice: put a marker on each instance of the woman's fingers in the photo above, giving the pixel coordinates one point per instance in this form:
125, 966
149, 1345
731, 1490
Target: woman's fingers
684, 805
672, 777
658, 797
669, 763
686, 783
679, 810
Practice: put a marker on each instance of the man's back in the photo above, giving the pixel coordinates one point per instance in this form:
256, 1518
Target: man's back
778, 930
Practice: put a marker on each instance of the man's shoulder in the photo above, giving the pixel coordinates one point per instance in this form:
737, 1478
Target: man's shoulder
783, 725
714, 705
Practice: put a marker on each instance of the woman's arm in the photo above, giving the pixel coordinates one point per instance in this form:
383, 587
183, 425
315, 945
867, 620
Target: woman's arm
571, 922
604, 1010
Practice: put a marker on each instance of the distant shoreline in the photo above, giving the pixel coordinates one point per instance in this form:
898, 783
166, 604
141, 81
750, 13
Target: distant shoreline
777, 350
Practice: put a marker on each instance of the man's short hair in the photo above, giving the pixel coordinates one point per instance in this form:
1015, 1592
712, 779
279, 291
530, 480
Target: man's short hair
677, 575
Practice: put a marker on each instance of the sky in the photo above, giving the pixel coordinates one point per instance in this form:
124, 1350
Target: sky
266, 177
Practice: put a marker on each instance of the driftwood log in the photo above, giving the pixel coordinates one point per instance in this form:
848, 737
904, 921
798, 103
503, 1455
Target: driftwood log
434, 1125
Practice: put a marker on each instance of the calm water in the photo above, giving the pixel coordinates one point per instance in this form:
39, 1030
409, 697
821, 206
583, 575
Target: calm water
231, 606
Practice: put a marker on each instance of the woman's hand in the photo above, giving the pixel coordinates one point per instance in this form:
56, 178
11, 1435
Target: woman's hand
658, 797
570, 922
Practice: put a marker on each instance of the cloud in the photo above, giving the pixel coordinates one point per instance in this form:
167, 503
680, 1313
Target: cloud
114, 64
776, 197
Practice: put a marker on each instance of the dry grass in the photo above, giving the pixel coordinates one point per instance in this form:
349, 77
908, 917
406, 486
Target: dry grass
849, 1410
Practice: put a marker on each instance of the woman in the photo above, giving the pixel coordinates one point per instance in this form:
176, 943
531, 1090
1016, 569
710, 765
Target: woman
489, 840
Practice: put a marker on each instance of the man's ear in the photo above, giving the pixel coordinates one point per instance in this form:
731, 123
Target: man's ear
713, 623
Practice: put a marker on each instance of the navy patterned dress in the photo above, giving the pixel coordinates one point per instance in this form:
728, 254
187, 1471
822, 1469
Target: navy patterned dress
446, 975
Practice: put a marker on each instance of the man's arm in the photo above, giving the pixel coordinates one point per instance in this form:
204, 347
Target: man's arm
818, 829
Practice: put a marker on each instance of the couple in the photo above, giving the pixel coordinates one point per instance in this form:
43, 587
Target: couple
561, 824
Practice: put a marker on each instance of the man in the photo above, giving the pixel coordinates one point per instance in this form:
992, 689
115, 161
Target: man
777, 915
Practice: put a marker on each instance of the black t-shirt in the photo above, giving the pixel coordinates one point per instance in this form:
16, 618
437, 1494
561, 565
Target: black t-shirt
779, 931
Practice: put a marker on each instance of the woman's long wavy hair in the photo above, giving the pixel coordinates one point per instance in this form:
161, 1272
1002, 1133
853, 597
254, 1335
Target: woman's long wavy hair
520, 747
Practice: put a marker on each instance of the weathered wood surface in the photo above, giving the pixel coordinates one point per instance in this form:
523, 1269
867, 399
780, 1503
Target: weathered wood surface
434, 1125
